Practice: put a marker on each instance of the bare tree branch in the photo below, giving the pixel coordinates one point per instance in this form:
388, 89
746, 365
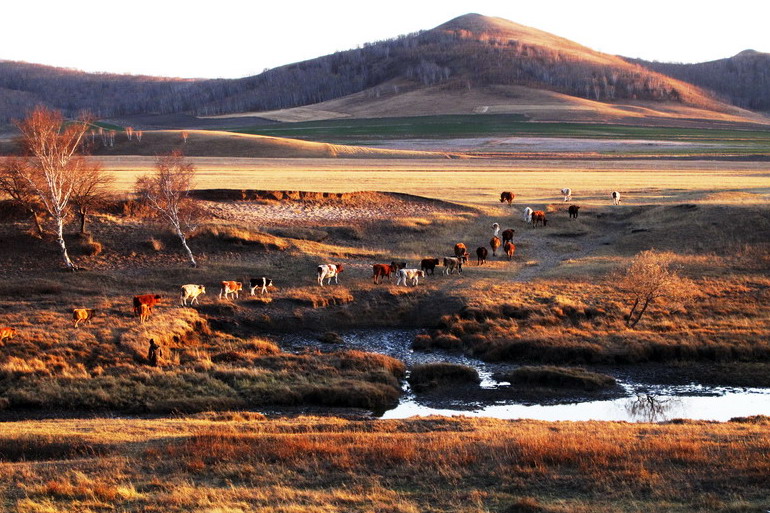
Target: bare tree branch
167, 191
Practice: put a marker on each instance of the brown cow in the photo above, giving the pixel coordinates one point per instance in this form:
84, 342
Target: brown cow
481, 255
461, 251
146, 299
230, 287
6, 332
83, 315
380, 270
508, 235
507, 196
495, 243
509, 249
573, 211
538, 216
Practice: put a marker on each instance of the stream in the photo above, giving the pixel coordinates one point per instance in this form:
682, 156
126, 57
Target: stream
636, 401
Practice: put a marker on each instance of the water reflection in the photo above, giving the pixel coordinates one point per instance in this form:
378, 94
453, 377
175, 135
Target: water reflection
651, 408
644, 402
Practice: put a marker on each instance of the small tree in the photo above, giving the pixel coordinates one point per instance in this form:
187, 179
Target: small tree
14, 182
650, 278
167, 191
91, 189
53, 164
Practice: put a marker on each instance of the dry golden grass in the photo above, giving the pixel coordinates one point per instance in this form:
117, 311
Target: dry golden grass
232, 463
535, 182
214, 143
240, 461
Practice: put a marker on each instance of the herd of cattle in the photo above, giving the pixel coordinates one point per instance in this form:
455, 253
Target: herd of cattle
143, 304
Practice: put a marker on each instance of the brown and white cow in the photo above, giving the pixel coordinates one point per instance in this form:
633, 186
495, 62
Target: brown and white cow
328, 271
452, 263
191, 292
145, 299
409, 276
230, 287
83, 315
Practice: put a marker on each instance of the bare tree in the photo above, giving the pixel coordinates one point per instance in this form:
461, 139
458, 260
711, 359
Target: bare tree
14, 182
139, 135
185, 135
91, 189
129, 132
53, 164
650, 278
167, 191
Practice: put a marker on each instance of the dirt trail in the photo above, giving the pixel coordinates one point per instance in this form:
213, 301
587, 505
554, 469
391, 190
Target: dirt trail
562, 240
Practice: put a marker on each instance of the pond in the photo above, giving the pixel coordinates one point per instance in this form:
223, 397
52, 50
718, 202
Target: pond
640, 401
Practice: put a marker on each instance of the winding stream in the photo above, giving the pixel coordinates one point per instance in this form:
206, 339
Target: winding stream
641, 402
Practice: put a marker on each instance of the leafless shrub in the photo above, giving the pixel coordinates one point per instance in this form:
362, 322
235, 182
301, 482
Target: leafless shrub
650, 278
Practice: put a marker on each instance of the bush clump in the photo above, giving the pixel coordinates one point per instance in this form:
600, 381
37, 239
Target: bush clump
559, 377
432, 375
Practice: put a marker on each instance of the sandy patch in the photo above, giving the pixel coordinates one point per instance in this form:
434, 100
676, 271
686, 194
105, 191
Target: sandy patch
296, 213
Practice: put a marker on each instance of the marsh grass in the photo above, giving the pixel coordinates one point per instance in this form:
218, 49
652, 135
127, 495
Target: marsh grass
426, 464
441, 374
558, 377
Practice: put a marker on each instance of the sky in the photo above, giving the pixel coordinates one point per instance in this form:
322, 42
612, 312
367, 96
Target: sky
237, 38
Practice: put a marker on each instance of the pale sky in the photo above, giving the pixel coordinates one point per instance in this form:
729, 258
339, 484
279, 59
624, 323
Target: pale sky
237, 38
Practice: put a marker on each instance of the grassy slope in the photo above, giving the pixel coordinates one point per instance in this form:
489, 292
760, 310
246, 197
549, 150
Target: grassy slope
362, 131
225, 144
236, 462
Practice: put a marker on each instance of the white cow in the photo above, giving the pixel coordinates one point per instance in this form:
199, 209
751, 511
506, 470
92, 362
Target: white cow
410, 275
567, 194
191, 292
528, 215
496, 229
615, 195
328, 271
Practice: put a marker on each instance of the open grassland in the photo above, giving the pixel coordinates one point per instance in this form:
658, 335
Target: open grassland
242, 462
553, 303
479, 181
726, 140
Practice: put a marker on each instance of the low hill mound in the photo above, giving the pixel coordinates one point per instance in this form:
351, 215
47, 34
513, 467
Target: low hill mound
203, 143
535, 104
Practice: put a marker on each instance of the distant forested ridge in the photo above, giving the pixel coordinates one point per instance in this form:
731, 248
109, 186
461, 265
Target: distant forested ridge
467, 52
743, 80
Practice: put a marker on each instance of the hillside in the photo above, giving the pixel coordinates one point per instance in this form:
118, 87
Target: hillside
743, 79
469, 53
211, 143
535, 104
